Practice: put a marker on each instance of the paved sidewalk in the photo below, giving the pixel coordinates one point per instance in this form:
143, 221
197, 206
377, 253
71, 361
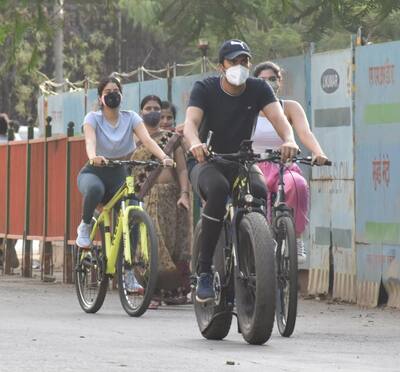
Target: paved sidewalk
42, 328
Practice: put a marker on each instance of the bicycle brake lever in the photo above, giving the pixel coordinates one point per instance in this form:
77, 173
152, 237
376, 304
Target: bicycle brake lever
209, 136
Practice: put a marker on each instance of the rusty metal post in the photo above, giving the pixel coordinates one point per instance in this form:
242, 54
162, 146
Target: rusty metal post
47, 251
7, 257
7, 246
68, 249
26, 264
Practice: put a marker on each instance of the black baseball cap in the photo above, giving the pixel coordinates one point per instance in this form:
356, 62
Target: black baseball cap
230, 49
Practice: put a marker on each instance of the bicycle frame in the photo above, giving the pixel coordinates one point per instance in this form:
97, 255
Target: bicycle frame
236, 209
112, 241
278, 206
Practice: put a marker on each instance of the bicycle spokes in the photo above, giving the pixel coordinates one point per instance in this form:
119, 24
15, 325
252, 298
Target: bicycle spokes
90, 278
137, 274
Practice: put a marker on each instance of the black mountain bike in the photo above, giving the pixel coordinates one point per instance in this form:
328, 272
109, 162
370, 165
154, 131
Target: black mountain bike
243, 262
283, 228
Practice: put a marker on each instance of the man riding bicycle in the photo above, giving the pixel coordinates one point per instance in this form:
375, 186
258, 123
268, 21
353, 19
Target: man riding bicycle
228, 106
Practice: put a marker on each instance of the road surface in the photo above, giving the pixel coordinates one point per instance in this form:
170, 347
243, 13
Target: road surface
42, 328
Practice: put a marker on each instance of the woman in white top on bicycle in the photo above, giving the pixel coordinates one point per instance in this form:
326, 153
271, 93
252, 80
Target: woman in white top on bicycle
265, 137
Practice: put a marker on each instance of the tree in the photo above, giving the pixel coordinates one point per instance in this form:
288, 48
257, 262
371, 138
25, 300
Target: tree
92, 44
24, 28
103, 36
323, 17
284, 26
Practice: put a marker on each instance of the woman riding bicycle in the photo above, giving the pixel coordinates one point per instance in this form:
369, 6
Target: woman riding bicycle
266, 137
108, 135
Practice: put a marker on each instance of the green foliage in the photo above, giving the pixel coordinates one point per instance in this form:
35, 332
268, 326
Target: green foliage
223, 17
333, 40
24, 34
282, 27
380, 30
143, 12
280, 41
101, 36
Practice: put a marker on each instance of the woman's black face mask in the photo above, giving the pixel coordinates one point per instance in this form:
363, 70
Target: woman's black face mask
112, 100
152, 118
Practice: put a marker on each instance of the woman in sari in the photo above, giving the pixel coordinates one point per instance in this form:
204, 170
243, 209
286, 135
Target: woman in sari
167, 200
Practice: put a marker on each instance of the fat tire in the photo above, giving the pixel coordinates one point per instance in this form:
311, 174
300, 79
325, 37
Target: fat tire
214, 321
256, 255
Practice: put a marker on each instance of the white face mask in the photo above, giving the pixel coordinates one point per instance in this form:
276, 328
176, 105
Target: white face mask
237, 75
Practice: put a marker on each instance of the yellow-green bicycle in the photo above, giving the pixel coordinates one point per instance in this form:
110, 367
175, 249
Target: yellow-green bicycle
125, 245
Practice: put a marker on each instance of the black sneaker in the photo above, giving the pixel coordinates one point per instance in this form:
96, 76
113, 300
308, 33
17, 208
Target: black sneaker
205, 289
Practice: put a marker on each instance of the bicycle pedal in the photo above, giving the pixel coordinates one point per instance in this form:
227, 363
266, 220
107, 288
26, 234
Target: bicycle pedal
88, 261
193, 281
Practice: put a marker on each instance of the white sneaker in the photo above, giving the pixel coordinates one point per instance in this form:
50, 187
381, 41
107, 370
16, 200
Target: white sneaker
301, 252
83, 239
131, 283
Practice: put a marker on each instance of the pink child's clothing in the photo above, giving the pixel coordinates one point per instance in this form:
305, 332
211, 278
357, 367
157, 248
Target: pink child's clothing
296, 190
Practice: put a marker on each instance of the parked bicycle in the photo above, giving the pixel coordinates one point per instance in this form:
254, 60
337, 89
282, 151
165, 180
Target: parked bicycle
243, 263
125, 245
283, 228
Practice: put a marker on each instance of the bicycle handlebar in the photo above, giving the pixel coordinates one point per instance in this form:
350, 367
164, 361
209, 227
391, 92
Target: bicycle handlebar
269, 155
143, 163
275, 157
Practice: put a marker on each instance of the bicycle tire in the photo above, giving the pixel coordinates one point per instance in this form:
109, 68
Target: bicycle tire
144, 255
255, 287
286, 262
91, 265
214, 320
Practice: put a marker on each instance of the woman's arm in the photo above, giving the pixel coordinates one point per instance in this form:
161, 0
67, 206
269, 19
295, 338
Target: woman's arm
183, 178
90, 142
144, 137
298, 119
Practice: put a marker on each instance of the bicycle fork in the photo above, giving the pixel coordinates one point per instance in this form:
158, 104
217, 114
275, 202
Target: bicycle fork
142, 234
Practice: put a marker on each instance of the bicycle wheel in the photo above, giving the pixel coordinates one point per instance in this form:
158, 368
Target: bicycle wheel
91, 281
137, 280
214, 319
255, 279
286, 262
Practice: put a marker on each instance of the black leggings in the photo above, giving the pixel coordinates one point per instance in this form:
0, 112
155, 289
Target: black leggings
98, 185
213, 183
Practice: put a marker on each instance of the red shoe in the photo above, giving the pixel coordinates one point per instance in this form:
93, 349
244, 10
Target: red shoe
154, 305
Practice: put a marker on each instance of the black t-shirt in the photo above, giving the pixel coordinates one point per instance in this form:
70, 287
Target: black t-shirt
231, 118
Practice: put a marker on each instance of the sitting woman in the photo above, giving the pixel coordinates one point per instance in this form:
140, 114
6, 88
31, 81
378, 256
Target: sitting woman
168, 203
265, 137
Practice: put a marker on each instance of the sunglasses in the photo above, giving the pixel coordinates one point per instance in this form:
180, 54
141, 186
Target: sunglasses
272, 79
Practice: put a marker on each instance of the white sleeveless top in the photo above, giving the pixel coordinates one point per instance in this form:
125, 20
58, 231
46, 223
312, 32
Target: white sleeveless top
265, 136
